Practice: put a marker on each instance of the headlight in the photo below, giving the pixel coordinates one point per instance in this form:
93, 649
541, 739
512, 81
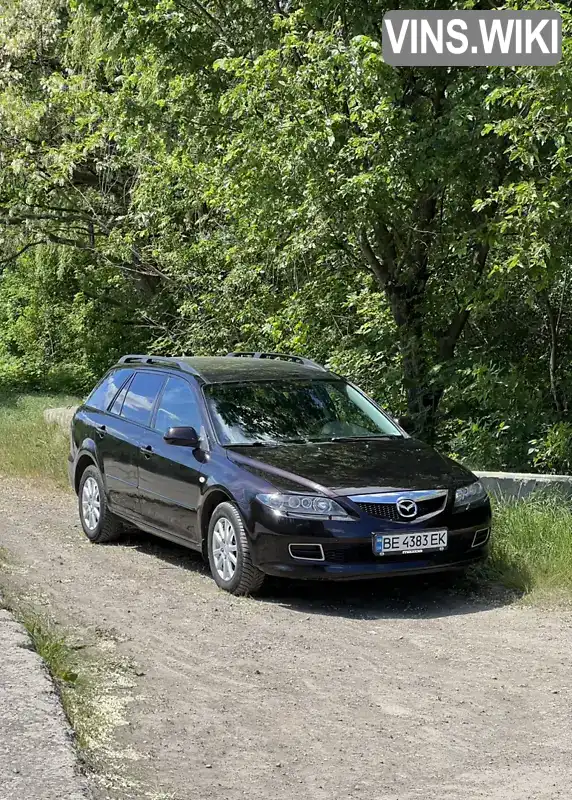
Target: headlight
470, 495
303, 505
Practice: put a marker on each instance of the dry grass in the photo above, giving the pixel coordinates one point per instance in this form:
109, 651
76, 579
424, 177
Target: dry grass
29, 446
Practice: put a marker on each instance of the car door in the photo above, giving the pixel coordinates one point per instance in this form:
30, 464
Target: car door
126, 421
107, 430
169, 475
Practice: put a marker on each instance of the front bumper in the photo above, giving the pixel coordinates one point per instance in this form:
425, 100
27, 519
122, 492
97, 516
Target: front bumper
348, 549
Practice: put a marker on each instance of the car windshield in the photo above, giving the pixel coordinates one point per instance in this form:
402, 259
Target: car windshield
278, 412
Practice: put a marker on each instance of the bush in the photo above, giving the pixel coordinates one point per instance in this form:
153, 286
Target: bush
553, 452
58, 331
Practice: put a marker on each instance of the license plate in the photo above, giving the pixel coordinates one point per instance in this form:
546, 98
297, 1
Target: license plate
386, 543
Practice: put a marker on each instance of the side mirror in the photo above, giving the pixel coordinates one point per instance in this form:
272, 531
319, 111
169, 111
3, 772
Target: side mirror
183, 437
407, 424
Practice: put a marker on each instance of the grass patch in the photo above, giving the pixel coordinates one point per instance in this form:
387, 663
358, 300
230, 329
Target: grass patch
63, 662
78, 692
532, 545
30, 446
94, 688
51, 646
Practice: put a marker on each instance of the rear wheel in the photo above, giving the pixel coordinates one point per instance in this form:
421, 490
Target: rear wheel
98, 523
229, 552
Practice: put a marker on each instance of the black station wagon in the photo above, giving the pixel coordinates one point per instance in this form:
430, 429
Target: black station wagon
269, 464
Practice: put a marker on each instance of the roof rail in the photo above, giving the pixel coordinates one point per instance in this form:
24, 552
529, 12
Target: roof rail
307, 362
166, 361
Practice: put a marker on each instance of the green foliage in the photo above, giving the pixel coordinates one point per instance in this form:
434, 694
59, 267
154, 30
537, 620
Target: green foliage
553, 452
61, 324
52, 647
199, 177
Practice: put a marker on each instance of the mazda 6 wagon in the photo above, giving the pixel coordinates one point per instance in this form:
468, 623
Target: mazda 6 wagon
269, 464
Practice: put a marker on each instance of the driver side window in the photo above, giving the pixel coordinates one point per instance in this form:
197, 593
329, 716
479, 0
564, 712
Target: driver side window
177, 407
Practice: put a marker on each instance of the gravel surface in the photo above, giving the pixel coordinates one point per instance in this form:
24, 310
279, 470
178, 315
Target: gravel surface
376, 691
37, 758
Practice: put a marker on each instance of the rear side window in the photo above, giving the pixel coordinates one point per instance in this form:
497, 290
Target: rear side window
177, 407
118, 402
104, 393
140, 399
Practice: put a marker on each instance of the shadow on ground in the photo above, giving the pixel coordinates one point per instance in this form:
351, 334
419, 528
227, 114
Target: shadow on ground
433, 596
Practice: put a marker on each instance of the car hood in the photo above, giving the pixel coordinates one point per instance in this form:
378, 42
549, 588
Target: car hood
357, 467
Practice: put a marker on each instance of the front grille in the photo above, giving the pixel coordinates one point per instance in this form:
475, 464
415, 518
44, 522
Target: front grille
363, 554
380, 510
389, 511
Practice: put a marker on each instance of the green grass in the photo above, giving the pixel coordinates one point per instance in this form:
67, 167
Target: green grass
53, 648
92, 686
81, 682
532, 546
29, 446
60, 657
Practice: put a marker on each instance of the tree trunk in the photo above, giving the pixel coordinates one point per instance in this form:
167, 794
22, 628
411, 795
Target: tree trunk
407, 305
405, 287
422, 395
553, 328
422, 398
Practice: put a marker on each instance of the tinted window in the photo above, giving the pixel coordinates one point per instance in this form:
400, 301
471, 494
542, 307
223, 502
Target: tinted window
177, 407
280, 411
118, 402
140, 399
103, 394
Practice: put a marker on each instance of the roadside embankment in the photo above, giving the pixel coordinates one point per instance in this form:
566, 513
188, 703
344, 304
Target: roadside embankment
37, 756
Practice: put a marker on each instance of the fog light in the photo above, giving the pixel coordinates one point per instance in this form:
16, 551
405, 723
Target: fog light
481, 537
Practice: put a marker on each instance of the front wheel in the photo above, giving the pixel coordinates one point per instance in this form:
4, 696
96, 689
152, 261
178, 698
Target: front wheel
229, 552
97, 521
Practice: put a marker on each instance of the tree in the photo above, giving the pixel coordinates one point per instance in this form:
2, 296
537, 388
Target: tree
254, 175
333, 151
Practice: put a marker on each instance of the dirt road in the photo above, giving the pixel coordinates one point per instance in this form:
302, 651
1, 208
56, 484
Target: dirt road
372, 692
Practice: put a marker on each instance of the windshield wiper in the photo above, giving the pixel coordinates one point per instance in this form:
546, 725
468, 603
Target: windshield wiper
264, 443
323, 440
364, 438
252, 444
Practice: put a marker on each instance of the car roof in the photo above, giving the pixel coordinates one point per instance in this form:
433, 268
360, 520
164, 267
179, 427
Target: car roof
222, 369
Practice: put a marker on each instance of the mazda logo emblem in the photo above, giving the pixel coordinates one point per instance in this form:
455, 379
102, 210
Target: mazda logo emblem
406, 508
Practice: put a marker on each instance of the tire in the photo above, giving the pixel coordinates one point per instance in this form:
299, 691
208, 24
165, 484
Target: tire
226, 529
98, 523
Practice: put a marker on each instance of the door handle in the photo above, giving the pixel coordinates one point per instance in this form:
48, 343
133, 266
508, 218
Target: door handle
100, 430
147, 451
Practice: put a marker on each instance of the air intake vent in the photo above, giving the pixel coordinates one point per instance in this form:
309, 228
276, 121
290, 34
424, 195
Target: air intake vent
481, 537
307, 552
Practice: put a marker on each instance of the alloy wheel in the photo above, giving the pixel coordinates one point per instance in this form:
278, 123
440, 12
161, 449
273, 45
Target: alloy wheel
91, 504
225, 549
